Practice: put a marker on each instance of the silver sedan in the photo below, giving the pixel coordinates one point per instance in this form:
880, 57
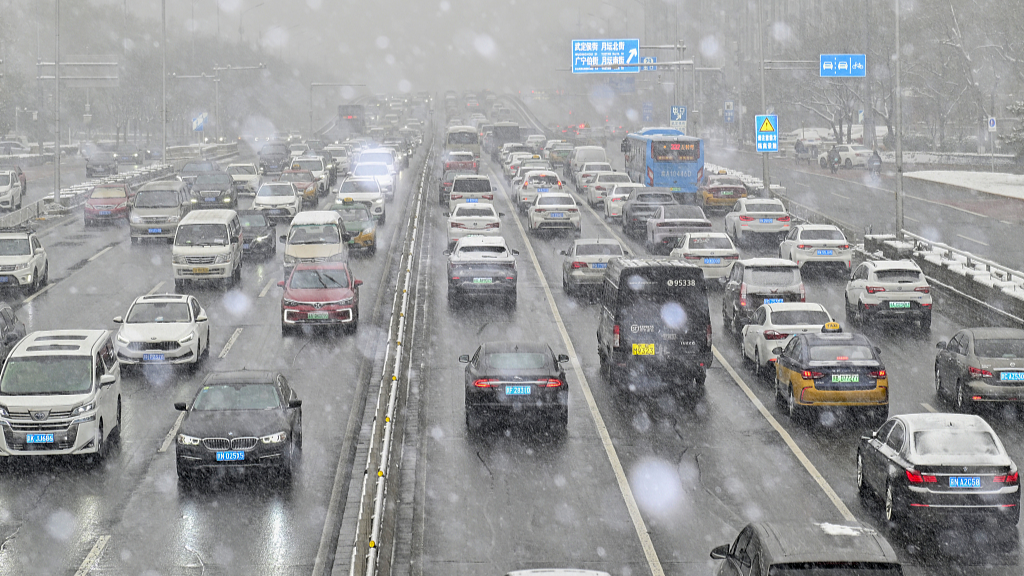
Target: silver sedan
586, 260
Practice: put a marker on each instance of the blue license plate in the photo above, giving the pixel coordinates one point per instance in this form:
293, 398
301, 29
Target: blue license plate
964, 482
246, 246
712, 260
4, 279
275, 212
543, 189
210, 199
598, 265
766, 220
104, 212
39, 438
556, 215
773, 300
472, 200
152, 357
230, 456
155, 230
517, 390
1011, 376
825, 252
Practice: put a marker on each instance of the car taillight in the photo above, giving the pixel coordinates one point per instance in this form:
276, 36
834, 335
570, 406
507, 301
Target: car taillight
458, 225
915, 477
484, 382
601, 188
550, 383
811, 375
878, 374
844, 247
1011, 478
922, 289
874, 289
979, 372
804, 246
743, 295
732, 257
746, 218
540, 210
580, 265
455, 196
803, 293
573, 210
616, 338
773, 335
488, 196
493, 225
782, 219
664, 224
691, 257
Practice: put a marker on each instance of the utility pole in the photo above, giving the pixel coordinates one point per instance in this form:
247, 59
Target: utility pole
899, 132
163, 78
56, 105
765, 175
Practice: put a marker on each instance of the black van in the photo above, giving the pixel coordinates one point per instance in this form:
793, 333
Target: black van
655, 327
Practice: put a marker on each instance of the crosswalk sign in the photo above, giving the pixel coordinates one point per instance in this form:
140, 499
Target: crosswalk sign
766, 132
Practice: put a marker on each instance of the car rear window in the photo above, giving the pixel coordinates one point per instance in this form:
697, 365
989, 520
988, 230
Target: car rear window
999, 348
597, 167
901, 275
471, 185
776, 276
516, 360
822, 235
613, 178
468, 211
544, 180
655, 198
359, 186
844, 353
598, 250
765, 207
799, 317
371, 170
952, 442
552, 200
680, 211
482, 250
710, 243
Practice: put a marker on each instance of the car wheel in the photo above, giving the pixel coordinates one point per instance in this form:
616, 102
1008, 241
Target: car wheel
796, 412
383, 218
851, 312
960, 401
780, 400
45, 279
179, 286
116, 431
862, 314
891, 511
560, 421
939, 392
184, 474
286, 330
565, 286
862, 487
759, 370
822, 163
297, 433
352, 326
926, 323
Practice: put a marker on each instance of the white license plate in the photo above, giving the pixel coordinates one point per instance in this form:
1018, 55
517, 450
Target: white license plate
556, 215
152, 357
230, 456
825, 252
39, 438
517, 390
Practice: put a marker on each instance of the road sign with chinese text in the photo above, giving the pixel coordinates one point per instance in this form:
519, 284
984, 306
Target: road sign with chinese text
766, 132
592, 56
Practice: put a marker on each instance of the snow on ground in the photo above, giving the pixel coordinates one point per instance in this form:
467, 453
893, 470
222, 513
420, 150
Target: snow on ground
1008, 185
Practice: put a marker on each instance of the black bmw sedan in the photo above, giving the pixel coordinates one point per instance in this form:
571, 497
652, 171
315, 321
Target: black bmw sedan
245, 419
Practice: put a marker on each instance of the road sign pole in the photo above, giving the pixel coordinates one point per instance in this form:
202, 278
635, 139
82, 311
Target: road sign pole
765, 175
899, 133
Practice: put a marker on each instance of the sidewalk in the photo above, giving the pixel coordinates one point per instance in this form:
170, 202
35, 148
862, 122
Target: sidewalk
999, 184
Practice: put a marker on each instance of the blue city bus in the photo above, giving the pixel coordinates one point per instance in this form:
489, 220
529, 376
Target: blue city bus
665, 158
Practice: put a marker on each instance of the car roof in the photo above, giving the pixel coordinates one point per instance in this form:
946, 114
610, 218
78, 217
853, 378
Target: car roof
894, 265
597, 241
832, 338
789, 542
162, 298
216, 216
65, 342
773, 262
556, 572
471, 177
988, 332
707, 234
482, 241
240, 377
515, 346
316, 217
321, 265
748, 200
942, 421
240, 164
787, 306
817, 227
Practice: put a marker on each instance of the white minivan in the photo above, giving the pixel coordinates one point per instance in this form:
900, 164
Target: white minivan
60, 393
207, 246
314, 236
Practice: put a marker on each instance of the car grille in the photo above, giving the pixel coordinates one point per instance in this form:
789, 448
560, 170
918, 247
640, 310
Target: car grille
53, 414
246, 443
200, 259
8, 268
39, 426
163, 345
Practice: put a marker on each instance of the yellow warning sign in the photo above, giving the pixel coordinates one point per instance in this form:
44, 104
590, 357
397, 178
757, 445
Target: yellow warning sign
766, 126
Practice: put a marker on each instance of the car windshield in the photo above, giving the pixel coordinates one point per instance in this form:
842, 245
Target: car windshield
253, 220
463, 138
725, 181
216, 180
900, 275
354, 214
770, 207
800, 317
156, 199
298, 147
108, 192
14, 247
314, 234
384, 157
296, 177
158, 312
268, 190
318, 278
613, 178
198, 167
5, 179
598, 249
46, 375
371, 170
822, 235
999, 348
201, 235
710, 243
774, 276
242, 170
840, 353
237, 397
470, 211
953, 442
359, 186
516, 360
271, 149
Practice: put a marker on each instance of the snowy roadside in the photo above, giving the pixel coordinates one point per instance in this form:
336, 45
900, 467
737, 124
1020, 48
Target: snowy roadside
1000, 184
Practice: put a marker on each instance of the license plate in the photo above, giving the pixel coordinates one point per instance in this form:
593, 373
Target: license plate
39, 438
483, 280
824, 252
712, 260
104, 212
275, 212
517, 390
598, 265
556, 215
846, 378
155, 230
965, 482
773, 300
472, 200
317, 315
726, 192
643, 349
766, 220
1011, 376
246, 246
200, 270
543, 189
899, 305
152, 357
4, 279
230, 456
210, 199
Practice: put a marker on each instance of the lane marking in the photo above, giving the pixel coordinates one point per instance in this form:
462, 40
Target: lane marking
911, 219
155, 288
266, 288
170, 435
230, 343
969, 239
98, 254
94, 555
639, 526
928, 407
38, 293
840, 196
964, 210
807, 464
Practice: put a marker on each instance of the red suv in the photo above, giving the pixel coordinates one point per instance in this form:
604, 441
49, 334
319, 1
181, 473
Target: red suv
107, 202
318, 294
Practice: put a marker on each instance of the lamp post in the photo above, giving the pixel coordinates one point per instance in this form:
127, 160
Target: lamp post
163, 79
242, 15
321, 85
899, 132
56, 105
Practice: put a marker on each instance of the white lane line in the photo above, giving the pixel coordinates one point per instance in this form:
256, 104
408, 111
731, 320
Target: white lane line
928, 407
840, 196
98, 254
1003, 221
266, 288
38, 293
969, 239
230, 343
911, 219
957, 208
606, 440
94, 555
808, 465
155, 288
170, 435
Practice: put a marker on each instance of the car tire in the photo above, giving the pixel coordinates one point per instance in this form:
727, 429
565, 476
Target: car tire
179, 286
474, 420
939, 392
560, 421
286, 330
797, 413
822, 163
926, 323
566, 287
862, 314
890, 508
780, 400
45, 279
851, 312
383, 218
960, 402
862, 487
352, 326
759, 370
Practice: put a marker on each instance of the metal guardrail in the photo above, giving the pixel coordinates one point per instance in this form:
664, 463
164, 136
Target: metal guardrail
997, 272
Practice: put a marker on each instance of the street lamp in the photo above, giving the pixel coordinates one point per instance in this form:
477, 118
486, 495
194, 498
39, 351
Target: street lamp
240, 16
321, 85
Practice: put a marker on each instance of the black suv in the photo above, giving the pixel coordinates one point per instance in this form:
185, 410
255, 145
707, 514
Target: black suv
758, 281
641, 205
214, 190
274, 158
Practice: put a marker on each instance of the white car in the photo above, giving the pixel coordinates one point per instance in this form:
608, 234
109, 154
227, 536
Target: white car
473, 219
23, 260
588, 171
11, 193
773, 326
586, 261
535, 183
712, 252
278, 200
850, 155
245, 177
536, 142
380, 172
554, 211
296, 150
889, 289
763, 216
470, 189
601, 184
817, 243
163, 329
616, 198
364, 190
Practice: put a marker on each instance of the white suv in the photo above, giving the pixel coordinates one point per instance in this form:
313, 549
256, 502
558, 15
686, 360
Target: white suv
60, 393
889, 289
11, 194
23, 261
163, 329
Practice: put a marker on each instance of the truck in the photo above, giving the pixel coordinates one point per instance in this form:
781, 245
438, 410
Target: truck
482, 267
351, 119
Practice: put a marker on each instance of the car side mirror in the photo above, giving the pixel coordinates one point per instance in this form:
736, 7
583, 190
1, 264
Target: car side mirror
878, 350
357, 283
563, 358
280, 283
720, 552
447, 214
283, 238
38, 251
202, 318
515, 252
940, 345
777, 350
446, 252
118, 319
11, 338
723, 280
563, 252
464, 359
180, 406
107, 380
295, 403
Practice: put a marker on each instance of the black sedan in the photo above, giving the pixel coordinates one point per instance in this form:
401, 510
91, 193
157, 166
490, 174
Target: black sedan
214, 190
240, 420
934, 468
981, 365
513, 379
259, 235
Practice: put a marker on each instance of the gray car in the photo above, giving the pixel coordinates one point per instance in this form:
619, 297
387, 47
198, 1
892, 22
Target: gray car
585, 262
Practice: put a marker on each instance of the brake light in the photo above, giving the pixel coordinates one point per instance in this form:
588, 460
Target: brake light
803, 293
484, 382
922, 289
601, 188
879, 374
455, 196
1011, 478
580, 265
573, 210
732, 257
874, 289
552, 383
844, 247
804, 246
746, 218
664, 224
458, 225
540, 210
782, 219
488, 196
915, 477
811, 375
773, 335
979, 372
616, 338
743, 295
493, 225
691, 257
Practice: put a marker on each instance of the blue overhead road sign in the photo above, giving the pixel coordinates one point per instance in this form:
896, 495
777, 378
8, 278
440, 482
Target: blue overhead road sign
198, 122
766, 132
842, 65
728, 114
649, 60
648, 111
589, 56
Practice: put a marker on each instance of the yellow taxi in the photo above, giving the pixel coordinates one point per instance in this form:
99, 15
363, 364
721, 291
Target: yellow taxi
720, 190
831, 369
360, 226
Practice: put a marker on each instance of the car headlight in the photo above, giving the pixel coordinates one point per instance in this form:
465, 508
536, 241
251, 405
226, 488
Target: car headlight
222, 258
344, 302
136, 219
227, 199
288, 302
178, 259
123, 339
186, 440
83, 409
194, 200
172, 219
261, 239
289, 259
21, 266
4, 413
121, 205
274, 438
187, 339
